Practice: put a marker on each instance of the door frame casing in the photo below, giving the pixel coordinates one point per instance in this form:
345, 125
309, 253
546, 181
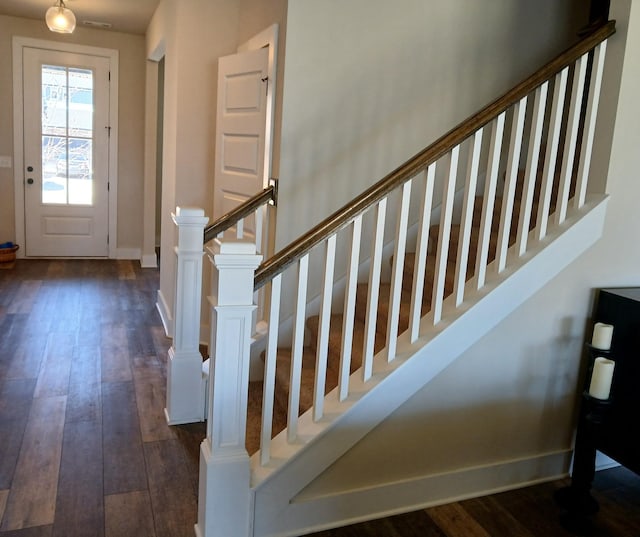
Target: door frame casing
19, 43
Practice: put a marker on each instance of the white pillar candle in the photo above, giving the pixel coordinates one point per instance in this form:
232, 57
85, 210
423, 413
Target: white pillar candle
601, 378
602, 334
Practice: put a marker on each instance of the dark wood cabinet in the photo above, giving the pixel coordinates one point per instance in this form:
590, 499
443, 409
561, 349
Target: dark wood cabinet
619, 437
609, 426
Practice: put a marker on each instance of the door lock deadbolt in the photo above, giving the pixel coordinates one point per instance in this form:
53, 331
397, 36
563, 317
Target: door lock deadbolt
30, 181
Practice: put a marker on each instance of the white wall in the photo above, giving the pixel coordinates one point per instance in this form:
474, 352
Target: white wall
131, 120
191, 35
370, 83
513, 396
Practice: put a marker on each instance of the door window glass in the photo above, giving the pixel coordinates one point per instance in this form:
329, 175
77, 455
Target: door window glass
67, 135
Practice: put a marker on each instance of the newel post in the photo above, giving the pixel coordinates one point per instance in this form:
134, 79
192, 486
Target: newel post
185, 402
224, 495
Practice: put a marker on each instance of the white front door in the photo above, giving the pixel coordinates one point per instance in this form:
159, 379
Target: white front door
66, 153
240, 132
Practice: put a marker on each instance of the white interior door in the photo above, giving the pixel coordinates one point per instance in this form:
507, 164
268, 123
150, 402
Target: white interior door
240, 132
66, 153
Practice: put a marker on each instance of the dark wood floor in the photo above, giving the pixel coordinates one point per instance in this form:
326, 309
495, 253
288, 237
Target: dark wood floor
85, 449
84, 446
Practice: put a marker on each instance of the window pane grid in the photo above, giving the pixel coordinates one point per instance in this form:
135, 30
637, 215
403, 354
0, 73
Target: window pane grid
67, 135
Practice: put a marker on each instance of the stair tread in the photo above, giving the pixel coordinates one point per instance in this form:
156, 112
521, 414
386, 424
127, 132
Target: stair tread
335, 340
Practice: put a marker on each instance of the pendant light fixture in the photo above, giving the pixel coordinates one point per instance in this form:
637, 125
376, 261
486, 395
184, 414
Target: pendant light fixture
60, 18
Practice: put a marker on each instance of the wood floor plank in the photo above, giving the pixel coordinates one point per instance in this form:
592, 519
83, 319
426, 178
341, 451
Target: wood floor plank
494, 518
38, 531
90, 328
616, 518
190, 436
11, 433
125, 270
454, 521
13, 333
33, 491
124, 469
45, 307
114, 348
141, 341
534, 508
9, 284
84, 402
171, 491
414, 524
56, 269
128, 515
161, 341
27, 358
150, 387
15, 398
54, 372
80, 501
15, 404
68, 308
25, 297
4, 494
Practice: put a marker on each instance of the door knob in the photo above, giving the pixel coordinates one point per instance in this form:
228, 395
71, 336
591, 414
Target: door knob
30, 181
29, 168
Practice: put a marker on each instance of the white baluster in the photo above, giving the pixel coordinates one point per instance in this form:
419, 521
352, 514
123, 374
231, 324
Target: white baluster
489, 199
590, 123
224, 505
295, 372
528, 189
269, 384
260, 217
373, 290
509, 192
551, 153
464, 238
420, 264
349, 309
444, 236
185, 388
397, 272
571, 138
323, 331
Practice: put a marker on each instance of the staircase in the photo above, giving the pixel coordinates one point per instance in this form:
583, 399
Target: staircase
368, 307
335, 339
280, 488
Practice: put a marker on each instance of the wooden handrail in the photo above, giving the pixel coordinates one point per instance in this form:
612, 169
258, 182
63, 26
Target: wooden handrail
235, 215
342, 217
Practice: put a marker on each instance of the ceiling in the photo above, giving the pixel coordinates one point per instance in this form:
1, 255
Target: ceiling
130, 16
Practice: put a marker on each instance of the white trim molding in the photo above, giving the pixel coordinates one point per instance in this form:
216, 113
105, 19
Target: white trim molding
319, 512
165, 314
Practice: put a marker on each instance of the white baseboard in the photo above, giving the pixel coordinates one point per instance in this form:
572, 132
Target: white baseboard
165, 314
308, 514
128, 253
149, 261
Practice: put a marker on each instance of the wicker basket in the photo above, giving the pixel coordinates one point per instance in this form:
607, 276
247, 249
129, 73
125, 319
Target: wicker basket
8, 255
